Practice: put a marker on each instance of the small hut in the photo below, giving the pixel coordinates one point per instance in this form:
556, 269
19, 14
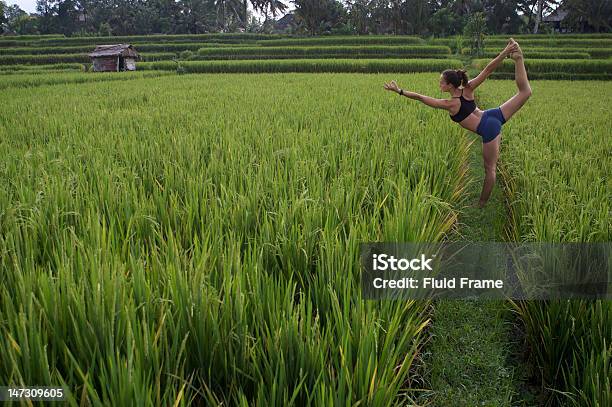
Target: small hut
284, 24
556, 20
116, 57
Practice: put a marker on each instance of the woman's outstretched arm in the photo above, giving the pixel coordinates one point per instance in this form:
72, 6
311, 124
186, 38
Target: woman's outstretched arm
429, 101
491, 66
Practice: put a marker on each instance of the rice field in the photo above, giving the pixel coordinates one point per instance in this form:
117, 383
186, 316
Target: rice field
27, 78
306, 66
549, 57
68, 58
325, 51
174, 239
557, 163
194, 239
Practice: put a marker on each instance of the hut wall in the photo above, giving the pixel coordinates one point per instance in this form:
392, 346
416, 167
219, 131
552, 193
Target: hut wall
104, 64
130, 64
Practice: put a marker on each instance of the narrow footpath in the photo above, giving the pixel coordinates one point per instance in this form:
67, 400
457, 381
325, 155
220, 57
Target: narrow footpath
469, 358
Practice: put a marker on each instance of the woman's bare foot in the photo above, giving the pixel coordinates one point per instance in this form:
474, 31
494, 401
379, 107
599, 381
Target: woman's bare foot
479, 204
511, 47
518, 54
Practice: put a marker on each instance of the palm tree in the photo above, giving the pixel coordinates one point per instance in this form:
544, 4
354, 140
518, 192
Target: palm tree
595, 13
227, 8
536, 8
269, 7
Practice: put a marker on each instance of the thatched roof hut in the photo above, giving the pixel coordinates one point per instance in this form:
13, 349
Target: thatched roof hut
115, 57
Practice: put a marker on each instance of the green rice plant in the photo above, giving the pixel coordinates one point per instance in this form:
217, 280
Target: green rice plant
40, 68
536, 41
25, 40
556, 165
45, 50
42, 59
309, 65
561, 76
188, 239
189, 46
552, 36
537, 53
9, 43
91, 42
560, 52
42, 72
66, 58
214, 37
140, 47
344, 40
555, 76
568, 66
570, 344
329, 51
554, 42
186, 55
157, 56
340, 55
26, 37
33, 78
599, 52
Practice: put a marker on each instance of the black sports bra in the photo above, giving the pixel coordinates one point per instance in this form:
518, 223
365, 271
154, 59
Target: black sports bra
467, 107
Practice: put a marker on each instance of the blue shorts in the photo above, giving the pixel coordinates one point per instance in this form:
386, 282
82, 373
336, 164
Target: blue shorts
490, 124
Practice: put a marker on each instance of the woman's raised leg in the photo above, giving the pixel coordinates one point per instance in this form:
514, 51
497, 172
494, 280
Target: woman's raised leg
510, 107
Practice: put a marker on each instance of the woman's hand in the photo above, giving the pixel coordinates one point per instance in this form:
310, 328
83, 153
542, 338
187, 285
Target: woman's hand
511, 47
392, 86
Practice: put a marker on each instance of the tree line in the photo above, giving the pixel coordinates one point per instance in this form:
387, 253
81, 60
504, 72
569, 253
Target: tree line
419, 17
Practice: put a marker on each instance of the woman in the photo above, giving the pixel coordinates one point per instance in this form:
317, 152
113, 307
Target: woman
463, 110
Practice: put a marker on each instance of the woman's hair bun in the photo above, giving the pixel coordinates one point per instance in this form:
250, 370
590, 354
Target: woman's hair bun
462, 74
455, 77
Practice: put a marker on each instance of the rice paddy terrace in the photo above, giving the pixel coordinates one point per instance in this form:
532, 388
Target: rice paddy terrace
189, 233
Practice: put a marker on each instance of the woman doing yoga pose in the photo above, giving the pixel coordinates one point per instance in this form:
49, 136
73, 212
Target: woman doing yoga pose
463, 110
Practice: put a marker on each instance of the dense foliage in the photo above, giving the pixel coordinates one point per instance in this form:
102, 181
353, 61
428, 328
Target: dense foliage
421, 17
